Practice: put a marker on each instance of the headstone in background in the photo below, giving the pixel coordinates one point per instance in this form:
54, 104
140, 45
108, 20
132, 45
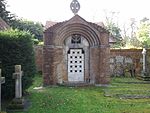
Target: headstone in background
18, 84
2, 80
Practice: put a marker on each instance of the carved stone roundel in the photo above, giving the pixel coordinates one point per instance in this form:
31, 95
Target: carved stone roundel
75, 6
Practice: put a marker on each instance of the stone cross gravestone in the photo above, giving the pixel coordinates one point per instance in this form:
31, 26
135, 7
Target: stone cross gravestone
144, 60
18, 77
145, 74
2, 80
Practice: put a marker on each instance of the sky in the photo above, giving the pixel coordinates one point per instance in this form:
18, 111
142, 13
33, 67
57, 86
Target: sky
91, 10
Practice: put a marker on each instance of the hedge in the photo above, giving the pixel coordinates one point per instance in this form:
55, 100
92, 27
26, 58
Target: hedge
16, 48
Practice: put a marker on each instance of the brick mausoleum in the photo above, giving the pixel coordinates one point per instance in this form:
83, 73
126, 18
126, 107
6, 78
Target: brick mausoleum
76, 51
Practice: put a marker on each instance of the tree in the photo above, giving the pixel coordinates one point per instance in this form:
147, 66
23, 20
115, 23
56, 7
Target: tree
130, 34
133, 38
4, 14
143, 33
113, 28
34, 28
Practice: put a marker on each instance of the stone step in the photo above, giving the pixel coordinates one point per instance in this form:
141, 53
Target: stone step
145, 78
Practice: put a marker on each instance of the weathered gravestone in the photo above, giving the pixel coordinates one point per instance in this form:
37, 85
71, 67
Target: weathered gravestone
18, 77
2, 80
18, 101
145, 75
144, 60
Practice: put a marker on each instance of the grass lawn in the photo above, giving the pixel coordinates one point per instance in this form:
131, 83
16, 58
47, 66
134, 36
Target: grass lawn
91, 99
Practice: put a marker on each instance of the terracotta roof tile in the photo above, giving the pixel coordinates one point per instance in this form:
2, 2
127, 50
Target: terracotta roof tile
3, 25
49, 24
100, 24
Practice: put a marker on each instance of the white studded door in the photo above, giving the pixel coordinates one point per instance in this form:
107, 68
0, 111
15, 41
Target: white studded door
76, 65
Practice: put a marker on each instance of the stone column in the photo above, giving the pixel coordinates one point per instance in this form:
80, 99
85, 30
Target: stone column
18, 76
144, 60
2, 80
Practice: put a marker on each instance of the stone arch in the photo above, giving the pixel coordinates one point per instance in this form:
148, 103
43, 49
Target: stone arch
84, 47
91, 36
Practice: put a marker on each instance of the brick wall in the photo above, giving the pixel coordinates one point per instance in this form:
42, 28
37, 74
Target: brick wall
123, 62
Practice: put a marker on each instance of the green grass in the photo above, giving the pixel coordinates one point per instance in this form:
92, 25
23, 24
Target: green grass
131, 87
89, 99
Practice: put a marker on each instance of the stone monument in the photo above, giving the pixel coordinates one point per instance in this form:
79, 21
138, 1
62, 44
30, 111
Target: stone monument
17, 103
144, 60
18, 77
145, 76
2, 80
75, 51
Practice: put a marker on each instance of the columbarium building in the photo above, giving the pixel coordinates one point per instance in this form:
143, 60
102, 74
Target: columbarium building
76, 51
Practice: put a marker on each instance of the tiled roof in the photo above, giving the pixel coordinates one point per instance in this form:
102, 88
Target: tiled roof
49, 24
112, 39
3, 25
101, 24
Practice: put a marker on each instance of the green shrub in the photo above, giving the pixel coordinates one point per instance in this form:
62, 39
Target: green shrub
35, 41
16, 48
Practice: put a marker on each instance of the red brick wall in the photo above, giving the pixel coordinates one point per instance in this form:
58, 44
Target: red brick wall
134, 54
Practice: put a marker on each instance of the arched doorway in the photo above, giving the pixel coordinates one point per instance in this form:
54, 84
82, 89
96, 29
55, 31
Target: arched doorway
77, 55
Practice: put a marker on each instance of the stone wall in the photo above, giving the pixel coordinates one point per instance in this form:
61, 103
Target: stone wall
127, 62
123, 62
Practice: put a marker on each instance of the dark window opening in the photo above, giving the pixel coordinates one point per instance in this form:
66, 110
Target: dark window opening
76, 39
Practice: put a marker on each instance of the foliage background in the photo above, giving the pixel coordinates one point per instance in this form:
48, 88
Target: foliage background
16, 48
34, 28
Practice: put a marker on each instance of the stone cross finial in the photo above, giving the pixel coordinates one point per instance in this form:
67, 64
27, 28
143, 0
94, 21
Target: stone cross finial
75, 6
2, 80
18, 76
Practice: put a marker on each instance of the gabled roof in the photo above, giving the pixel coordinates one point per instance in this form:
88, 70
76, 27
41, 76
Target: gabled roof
80, 20
3, 25
75, 19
